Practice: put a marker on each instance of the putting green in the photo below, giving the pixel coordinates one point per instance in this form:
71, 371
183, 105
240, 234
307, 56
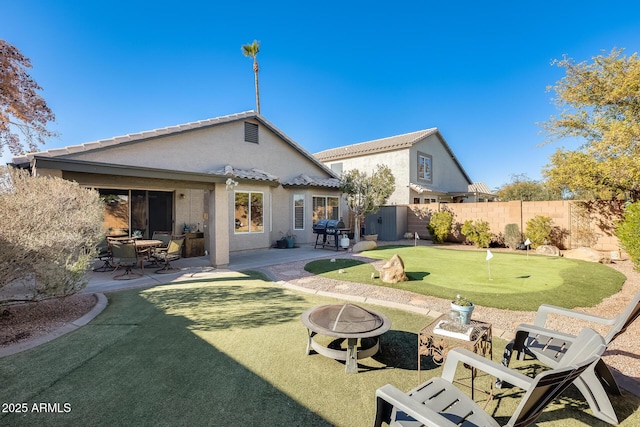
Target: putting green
508, 280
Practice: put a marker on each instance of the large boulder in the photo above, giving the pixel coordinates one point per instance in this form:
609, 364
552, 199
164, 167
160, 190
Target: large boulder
584, 254
393, 270
364, 245
548, 250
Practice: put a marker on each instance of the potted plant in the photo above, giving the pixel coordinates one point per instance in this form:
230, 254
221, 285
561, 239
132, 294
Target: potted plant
464, 307
291, 239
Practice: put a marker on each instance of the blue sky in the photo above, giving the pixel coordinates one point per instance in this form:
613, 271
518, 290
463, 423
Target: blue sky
331, 73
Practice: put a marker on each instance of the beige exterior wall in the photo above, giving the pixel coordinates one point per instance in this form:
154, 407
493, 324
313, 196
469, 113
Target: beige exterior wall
208, 150
397, 161
570, 219
446, 175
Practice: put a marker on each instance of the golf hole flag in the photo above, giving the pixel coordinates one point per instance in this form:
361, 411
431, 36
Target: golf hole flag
527, 242
417, 237
489, 255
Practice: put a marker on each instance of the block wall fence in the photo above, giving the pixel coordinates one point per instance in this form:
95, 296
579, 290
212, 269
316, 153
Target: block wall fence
588, 223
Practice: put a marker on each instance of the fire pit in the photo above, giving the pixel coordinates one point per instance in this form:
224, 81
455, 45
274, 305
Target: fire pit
345, 321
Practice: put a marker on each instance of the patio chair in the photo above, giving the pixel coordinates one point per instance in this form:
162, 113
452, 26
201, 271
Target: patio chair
104, 255
165, 238
438, 402
550, 347
173, 252
125, 255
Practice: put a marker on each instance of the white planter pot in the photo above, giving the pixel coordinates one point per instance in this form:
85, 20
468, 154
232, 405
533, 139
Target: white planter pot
465, 312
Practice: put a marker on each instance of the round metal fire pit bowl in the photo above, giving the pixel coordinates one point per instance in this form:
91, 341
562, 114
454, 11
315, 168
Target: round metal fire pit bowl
345, 321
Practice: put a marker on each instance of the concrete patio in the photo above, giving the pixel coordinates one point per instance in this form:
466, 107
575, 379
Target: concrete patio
199, 266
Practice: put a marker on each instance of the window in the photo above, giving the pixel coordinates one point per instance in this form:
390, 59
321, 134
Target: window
298, 211
251, 132
249, 212
337, 168
424, 167
325, 207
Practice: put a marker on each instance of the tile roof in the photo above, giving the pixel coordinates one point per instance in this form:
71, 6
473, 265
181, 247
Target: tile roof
103, 143
255, 174
420, 189
307, 181
479, 187
476, 187
375, 146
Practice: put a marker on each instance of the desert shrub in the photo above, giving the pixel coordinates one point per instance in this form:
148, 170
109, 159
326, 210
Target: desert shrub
477, 232
628, 231
512, 236
440, 225
48, 233
539, 230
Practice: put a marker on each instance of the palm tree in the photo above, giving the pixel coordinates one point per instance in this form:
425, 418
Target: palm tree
251, 51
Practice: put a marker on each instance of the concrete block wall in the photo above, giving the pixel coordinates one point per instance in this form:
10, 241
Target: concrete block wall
601, 218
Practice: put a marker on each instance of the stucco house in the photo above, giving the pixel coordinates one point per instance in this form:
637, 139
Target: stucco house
425, 167
237, 179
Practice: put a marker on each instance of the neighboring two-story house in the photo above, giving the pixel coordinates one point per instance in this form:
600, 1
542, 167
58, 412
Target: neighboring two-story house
425, 167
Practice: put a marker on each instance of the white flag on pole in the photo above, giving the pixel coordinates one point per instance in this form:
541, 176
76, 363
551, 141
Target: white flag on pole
489, 255
417, 237
527, 242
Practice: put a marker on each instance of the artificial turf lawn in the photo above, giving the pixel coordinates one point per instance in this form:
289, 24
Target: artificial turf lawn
511, 281
227, 350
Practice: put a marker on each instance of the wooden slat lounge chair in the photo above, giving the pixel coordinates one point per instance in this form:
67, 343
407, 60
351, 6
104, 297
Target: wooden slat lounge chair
438, 403
550, 347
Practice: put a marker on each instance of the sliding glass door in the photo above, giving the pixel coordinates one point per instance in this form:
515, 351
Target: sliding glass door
129, 212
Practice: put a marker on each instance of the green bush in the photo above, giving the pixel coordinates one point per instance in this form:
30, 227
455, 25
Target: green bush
628, 232
539, 230
477, 232
49, 231
512, 236
440, 225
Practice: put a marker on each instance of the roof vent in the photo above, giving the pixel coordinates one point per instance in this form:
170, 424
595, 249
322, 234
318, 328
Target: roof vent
251, 132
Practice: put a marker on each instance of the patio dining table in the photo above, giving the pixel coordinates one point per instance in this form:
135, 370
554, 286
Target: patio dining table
144, 246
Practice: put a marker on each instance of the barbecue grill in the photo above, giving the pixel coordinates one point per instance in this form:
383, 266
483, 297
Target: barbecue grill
330, 230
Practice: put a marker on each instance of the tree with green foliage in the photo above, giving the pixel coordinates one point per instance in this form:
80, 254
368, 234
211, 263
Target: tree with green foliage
22, 110
524, 188
251, 50
628, 232
366, 193
600, 105
439, 225
49, 233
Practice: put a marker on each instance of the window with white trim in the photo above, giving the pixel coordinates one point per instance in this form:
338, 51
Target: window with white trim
249, 212
425, 167
298, 211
